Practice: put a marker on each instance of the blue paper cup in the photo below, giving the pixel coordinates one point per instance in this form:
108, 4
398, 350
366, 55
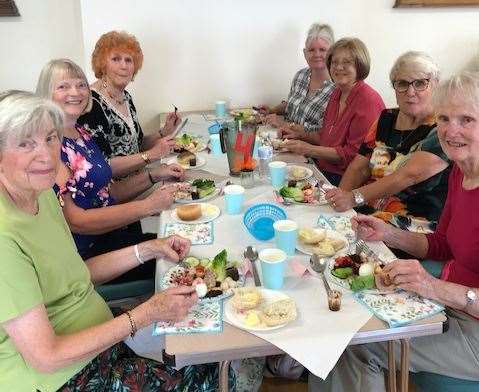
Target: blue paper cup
273, 263
214, 128
220, 108
277, 170
285, 235
234, 196
215, 144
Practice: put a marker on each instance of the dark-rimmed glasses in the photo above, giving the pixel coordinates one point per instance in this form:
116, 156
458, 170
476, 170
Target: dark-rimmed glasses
401, 86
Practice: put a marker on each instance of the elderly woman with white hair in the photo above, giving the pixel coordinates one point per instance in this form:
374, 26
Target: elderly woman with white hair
310, 89
56, 332
455, 353
400, 173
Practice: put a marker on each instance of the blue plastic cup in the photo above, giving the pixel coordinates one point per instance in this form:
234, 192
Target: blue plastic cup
277, 170
220, 108
273, 263
215, 144
234, 197
214, 128
285, 235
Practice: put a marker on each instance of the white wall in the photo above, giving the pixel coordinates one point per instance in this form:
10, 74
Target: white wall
244, 51
45, 30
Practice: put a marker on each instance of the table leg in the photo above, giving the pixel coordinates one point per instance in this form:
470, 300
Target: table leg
223, 376
391, 367
404, 365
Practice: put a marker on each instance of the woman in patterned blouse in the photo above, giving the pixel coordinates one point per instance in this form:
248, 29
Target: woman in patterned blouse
310, 89
113, 120
102, 214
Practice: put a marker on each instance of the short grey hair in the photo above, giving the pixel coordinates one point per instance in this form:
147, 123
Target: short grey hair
464, 85
417, 62
23, 114
318, 30
56, 69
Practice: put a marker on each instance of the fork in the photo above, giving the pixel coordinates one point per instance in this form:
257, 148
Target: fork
222, 191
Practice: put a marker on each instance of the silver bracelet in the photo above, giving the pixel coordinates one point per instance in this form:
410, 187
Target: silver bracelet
137, 254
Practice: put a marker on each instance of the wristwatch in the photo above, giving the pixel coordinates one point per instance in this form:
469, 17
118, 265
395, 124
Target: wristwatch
145, 157
358, 198
471, 297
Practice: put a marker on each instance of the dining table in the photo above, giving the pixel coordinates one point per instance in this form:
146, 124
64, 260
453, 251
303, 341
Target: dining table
318, 336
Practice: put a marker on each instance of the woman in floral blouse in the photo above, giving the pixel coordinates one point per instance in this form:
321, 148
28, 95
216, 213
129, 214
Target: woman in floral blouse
113, 120
102, 214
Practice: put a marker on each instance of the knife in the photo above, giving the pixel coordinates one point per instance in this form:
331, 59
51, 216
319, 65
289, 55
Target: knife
178, 130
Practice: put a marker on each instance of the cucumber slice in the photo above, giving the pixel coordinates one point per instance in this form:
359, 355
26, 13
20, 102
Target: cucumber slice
205, 262
192, 261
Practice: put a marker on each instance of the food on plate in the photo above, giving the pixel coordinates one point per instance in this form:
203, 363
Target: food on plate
359, 271
187, 142
189, 212
297, 172
246, 298
186, 158
201, 289
278, 144
198, 189
384, 277
319, 242
311, 236
208, 281
252, 318
278, 312
300, 191
247, 115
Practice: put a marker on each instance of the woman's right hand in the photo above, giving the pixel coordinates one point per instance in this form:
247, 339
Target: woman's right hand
369, 228
162, 147
161, 199
274, 120
172, 304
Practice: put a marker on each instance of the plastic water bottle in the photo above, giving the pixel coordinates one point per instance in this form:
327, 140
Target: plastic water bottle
265, 155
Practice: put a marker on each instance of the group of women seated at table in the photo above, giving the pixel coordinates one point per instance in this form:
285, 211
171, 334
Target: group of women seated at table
72, 172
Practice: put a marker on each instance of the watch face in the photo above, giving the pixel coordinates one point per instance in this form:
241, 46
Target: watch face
471, 295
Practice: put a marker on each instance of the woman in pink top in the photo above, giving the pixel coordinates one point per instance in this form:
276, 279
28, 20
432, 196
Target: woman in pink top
351, 110
456, 352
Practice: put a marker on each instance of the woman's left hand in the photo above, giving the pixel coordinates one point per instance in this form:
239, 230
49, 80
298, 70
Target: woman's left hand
172, 121
340, 200
296, 146
172, 170
410, 275
174, 247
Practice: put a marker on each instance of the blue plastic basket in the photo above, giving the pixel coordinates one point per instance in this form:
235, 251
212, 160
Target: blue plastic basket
259, 220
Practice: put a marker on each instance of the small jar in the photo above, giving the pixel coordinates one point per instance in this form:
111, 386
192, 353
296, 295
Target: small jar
334, 300
265, 155
247, 178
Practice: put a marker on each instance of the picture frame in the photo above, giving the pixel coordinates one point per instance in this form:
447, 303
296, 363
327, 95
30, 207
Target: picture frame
8, 8
434, 3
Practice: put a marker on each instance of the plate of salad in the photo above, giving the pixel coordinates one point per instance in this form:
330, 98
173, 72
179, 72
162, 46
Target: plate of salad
189, 142
218, 274
201, 189
303, 192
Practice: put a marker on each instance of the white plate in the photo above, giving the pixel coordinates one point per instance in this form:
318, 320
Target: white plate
307, 172
200, 162
236, 318
165, 283
308, 249
201, 144
189, 201
210, 212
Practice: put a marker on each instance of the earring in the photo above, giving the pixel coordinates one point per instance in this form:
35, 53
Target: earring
104, 85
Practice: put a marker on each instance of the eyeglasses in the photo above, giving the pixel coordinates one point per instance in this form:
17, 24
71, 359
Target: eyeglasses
342, 63
401, 86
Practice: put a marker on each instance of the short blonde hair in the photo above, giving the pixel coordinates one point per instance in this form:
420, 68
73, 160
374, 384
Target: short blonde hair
318, 30
56, 70
359, 52
464, 85
115, 40
417, 62
23, 113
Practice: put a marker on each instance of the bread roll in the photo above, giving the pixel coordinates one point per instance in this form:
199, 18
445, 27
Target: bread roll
311, 236
246, 298
189, 212
279, 312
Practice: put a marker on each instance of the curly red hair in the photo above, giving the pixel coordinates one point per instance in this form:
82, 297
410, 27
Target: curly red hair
115, 40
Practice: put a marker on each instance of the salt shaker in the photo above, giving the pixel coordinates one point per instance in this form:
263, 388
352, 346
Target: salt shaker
265, 155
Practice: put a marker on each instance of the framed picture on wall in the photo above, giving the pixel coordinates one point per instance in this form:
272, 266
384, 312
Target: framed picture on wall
8, 8
433, 3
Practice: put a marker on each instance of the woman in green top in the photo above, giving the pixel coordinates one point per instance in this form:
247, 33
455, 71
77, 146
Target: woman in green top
56, 332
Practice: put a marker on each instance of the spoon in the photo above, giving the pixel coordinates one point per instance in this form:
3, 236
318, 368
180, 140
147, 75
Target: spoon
251, 254
319, 265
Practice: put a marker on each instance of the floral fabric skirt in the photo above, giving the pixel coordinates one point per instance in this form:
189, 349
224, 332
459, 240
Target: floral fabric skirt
119, 369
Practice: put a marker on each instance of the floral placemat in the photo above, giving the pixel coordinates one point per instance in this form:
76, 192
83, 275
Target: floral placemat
399, 308
341, 224
199, 234
203, 317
